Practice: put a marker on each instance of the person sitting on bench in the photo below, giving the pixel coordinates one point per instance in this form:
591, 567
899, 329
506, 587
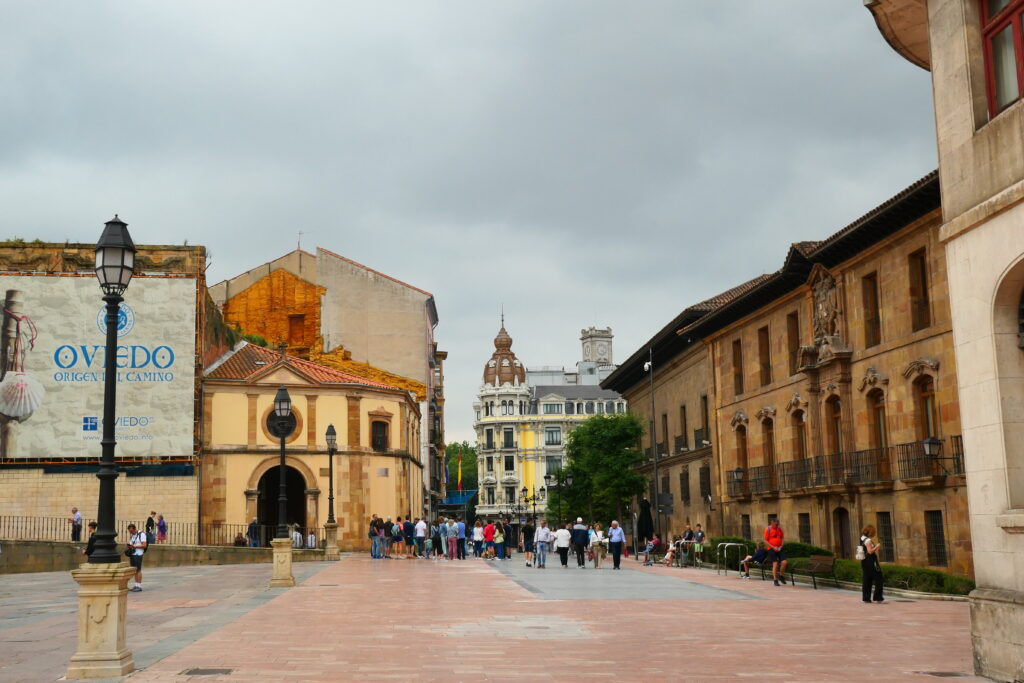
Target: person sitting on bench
760, 556
652, 545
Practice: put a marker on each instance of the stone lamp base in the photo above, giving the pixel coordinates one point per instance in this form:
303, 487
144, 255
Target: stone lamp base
102, 613
282, 577
331, 551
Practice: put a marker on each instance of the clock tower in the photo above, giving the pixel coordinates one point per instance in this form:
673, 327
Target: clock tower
597, 345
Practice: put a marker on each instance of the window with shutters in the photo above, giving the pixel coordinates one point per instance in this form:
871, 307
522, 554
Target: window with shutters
872, 313
793, 341
920, 312
764, 355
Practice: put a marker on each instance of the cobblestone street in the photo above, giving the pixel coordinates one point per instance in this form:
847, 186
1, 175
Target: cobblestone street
476, 620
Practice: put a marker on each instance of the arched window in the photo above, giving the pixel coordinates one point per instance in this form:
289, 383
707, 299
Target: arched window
579, 408
834, 423
741, 447
799, 435
379, 432
876, 418
927, 415
590, 407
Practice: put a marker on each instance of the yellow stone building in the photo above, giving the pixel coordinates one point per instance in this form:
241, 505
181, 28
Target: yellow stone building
374, 470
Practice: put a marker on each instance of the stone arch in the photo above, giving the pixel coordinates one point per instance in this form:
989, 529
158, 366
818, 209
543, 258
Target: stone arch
1009, 358
270, 462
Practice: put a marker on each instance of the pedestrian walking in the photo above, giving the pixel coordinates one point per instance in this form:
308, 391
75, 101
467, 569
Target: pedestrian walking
598, 543
563, 539
775, 539
542, 541
580, 541
870, 567
90, 545
478, 539
253, 533
421, 537
453, 540
161, 529
76, 525
137, 545
698, 545
616, 542
499, 540
527, 531
151, 527
461, 524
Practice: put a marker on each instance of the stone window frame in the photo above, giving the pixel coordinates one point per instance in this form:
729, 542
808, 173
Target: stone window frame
1007, 18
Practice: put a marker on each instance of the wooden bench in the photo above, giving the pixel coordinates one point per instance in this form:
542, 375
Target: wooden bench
823, 565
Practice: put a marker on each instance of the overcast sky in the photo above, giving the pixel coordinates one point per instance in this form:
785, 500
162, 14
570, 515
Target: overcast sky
588, 162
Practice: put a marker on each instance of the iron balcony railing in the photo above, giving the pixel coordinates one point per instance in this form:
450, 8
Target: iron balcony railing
914, 463
738, 488
762, 479
699, 437
680, 443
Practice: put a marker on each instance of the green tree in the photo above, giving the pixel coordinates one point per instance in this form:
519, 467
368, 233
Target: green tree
469, 474
602, 456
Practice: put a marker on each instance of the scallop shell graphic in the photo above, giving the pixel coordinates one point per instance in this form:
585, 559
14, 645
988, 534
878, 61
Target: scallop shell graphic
20, 395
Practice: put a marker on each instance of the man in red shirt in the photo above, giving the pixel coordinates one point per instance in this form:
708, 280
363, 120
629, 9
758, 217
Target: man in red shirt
489, 540
774, 537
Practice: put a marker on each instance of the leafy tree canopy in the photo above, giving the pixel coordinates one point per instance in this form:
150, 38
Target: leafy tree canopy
602, 454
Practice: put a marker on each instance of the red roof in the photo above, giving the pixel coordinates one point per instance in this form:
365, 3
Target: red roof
251, 360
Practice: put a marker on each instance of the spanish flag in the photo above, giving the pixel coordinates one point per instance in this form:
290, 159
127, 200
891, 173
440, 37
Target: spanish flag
460, 471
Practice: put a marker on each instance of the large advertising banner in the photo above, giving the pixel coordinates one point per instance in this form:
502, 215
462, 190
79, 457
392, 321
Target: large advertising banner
54, 337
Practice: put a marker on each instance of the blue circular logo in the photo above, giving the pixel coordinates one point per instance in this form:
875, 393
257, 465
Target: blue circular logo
125, 320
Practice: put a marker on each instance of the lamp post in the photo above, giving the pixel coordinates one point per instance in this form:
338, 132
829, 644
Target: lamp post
649, 367
560, 478
102, 650
282, 423
331, 551
531, 500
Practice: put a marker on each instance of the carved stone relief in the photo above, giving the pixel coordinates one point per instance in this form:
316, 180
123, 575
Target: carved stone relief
918, 366
872, 378
740, 418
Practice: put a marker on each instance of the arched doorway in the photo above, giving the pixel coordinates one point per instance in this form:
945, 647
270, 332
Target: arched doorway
269, 487
841, 533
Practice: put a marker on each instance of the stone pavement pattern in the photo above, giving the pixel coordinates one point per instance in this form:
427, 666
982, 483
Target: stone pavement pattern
476, 620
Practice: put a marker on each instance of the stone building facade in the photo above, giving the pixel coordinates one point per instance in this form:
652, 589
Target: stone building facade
49, 458
831, 376
683, 404
975, 52
331, 310
377, 429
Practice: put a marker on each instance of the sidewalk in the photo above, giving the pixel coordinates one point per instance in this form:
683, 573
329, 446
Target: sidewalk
476, 620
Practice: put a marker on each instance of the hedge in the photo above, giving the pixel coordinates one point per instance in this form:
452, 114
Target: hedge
793, 549
899, 576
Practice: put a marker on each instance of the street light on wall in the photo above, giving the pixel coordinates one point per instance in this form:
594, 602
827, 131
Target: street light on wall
932, 447
115, 265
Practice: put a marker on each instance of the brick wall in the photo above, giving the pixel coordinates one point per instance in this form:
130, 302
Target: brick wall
30, 492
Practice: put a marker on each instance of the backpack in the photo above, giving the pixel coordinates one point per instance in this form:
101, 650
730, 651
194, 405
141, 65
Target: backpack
860, 553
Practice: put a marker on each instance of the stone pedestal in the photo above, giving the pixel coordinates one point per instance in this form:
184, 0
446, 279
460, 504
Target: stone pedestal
102, 613
282, 577
331, 551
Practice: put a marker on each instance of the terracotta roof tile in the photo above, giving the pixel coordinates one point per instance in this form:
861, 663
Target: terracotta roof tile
728, 295
251, 360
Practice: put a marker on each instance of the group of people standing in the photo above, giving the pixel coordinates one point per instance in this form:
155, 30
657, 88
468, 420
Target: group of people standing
415, 537
448, 539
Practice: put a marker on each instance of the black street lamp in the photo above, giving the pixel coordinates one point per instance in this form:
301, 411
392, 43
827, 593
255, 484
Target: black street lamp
332, 448
115, 264
562, 477
529, 500
285, 424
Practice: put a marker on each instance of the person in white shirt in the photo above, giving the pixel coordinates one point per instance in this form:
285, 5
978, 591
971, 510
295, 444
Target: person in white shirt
296, 537
137, 543
563, 539
542, 540
478, 539
597, 545
421, 536
311, 540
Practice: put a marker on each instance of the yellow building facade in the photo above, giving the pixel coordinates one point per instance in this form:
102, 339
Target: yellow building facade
374, 470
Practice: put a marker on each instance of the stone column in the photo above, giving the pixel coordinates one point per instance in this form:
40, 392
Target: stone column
102, 613
312, 513
282, 576
251, 501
